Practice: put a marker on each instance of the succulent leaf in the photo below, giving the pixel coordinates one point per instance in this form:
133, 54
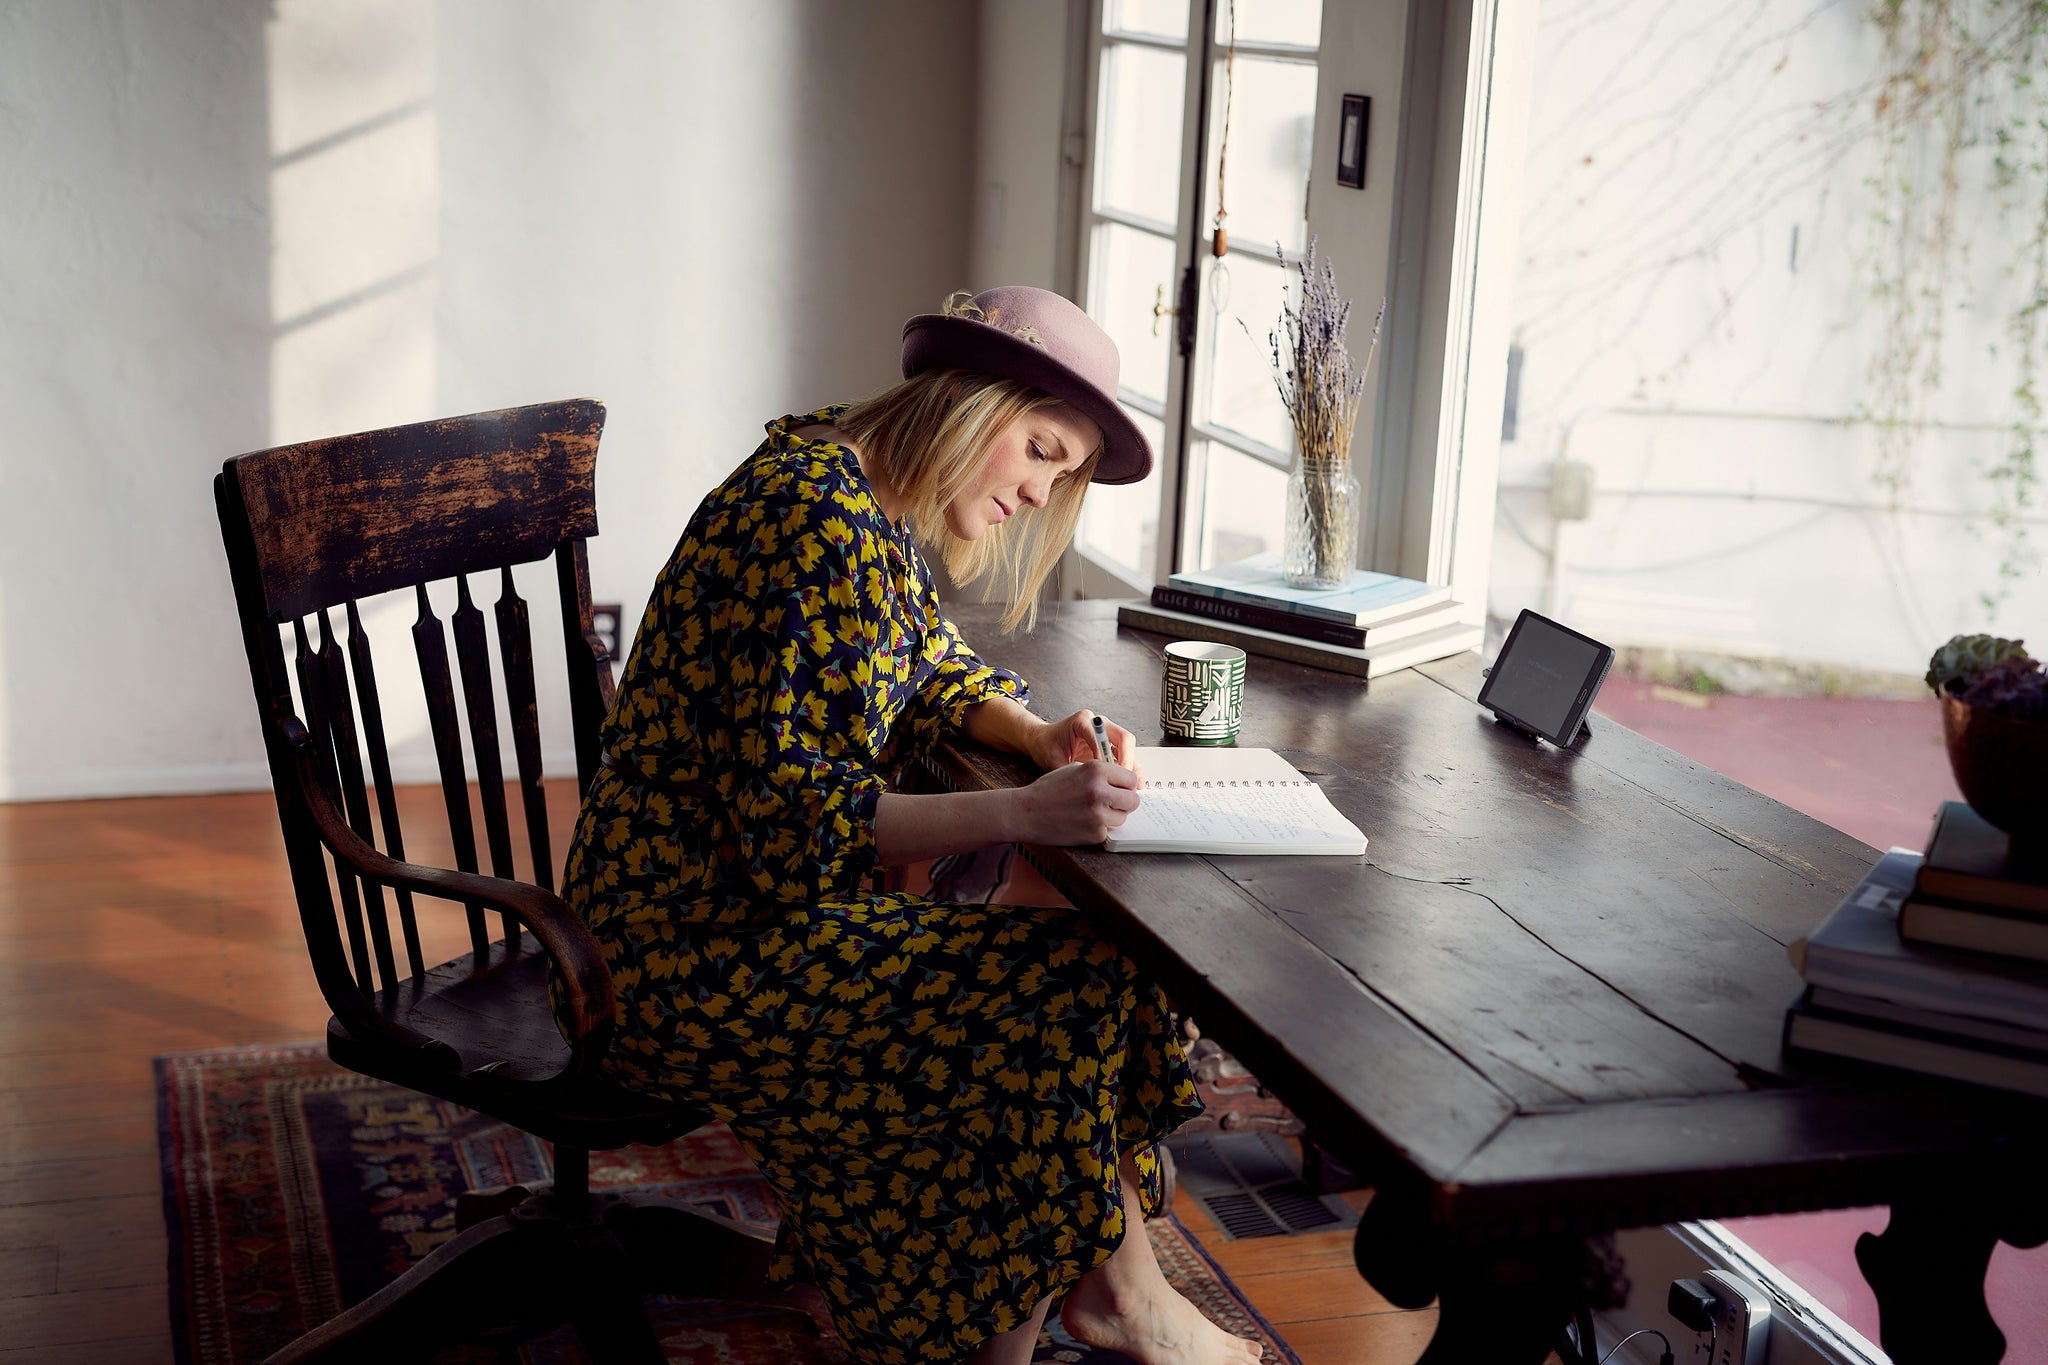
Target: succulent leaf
1964, 657
2014, 686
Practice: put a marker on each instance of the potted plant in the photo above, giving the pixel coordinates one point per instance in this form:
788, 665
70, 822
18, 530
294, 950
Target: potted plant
1994, 716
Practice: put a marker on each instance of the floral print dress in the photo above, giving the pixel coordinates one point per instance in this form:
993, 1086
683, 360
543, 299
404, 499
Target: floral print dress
938, 1094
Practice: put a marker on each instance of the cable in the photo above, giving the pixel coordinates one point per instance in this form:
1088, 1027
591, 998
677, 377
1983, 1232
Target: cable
1221, 243
1641, 1332
1705, 556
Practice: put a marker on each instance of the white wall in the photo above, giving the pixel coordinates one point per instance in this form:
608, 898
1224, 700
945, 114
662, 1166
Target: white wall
231, 224
134, 335
1697, 236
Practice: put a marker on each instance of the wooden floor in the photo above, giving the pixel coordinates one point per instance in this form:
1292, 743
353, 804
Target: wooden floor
138, 927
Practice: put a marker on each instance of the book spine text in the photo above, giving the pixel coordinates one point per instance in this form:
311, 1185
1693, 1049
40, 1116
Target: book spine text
1293, 649
1266, 618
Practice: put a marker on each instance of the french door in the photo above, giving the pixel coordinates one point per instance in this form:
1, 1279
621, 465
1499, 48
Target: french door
1200, 107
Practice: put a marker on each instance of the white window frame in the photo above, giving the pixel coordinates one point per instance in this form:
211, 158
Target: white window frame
1417, 234
1082, 574
1802, 1332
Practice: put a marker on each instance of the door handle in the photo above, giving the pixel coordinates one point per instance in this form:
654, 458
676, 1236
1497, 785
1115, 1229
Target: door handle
1160, 312
1183, 312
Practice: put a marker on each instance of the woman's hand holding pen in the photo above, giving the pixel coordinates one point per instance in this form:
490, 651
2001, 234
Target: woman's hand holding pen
1076, 803
1081, 798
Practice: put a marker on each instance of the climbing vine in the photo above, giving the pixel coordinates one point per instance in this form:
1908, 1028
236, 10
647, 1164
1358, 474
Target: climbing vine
1961, 116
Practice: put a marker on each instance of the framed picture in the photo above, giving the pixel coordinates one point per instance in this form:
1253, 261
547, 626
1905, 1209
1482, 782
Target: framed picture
1351, 125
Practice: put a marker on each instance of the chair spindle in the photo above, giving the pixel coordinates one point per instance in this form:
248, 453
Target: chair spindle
515, 642
430, 643
588, 707
313, 688
479, 698
355, 798
365, 670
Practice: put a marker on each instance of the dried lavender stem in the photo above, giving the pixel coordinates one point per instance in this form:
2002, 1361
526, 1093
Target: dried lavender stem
1322, 391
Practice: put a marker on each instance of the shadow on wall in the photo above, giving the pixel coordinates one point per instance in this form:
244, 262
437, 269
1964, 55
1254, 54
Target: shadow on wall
706, 214
873, 188
262, 221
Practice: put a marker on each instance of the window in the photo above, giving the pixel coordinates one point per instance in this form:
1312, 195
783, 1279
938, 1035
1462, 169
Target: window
1186, 122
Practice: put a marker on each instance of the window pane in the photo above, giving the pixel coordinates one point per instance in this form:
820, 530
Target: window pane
1244, 295
1165, 18
1138, 145
1272, 21
1718, 368
1242, 503
1763, 378
1120, 522
1265, 177
1130, 269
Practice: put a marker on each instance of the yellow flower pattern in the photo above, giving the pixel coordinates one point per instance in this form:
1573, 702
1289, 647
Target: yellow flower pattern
939, 1094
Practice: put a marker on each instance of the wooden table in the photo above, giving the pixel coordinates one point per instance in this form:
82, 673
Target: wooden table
1543, 1006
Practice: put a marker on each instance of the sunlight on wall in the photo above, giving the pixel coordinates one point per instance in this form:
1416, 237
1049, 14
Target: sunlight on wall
261, 222
355, 212
354, 192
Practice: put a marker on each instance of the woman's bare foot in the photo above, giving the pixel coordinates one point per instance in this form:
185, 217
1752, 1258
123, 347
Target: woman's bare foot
1125, 1304
1156, 1328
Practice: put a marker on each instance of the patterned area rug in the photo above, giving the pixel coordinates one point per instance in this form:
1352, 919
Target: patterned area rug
293, 1189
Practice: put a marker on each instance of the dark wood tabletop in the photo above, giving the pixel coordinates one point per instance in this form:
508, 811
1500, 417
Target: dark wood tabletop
1546, 1003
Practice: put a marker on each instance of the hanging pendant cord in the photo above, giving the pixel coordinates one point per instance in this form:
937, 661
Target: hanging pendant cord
1222, 240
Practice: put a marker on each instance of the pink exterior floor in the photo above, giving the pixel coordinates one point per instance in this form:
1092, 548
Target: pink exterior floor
1877, 770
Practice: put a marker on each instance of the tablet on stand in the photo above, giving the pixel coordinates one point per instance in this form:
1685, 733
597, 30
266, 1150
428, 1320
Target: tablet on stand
1545, 679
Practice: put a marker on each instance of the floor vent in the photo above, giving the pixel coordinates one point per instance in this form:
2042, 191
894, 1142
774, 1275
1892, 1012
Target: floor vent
1250, 1185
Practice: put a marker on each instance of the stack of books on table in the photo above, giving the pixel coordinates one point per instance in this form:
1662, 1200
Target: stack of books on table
1374, 624
1937, 964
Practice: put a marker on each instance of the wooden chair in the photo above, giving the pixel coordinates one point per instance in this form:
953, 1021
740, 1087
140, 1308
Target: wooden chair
313, 530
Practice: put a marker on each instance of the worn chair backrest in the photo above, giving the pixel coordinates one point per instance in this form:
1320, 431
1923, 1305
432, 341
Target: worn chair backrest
313, 530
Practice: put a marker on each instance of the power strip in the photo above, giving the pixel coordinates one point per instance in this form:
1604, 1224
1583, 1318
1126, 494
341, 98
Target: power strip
1742, 1320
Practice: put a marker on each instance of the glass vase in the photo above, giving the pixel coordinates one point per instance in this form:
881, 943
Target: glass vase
1319, 542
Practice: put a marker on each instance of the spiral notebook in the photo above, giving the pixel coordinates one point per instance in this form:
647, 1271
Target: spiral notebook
1230, 801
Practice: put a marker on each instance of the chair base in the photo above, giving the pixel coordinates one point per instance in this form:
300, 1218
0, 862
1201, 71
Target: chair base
534, 1262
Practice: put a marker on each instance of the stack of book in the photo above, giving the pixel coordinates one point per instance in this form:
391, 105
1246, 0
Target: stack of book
1935, 963
1972, 893
1374, 624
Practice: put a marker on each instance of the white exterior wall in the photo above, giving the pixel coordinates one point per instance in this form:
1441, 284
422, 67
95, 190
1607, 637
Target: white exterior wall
231, 224
1673, 154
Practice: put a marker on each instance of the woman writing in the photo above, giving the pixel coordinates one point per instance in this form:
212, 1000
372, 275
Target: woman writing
957, 1106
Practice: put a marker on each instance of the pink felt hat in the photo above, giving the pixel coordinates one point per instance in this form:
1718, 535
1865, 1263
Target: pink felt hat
1038, 338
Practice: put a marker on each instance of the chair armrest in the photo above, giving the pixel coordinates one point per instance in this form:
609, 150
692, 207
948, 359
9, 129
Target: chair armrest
586, 980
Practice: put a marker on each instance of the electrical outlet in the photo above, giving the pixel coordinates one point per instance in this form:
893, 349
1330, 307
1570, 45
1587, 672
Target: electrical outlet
1571, 490
1742, 1320
608, 619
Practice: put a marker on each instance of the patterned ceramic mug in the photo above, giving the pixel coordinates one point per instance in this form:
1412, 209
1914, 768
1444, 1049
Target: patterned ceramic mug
1201, 700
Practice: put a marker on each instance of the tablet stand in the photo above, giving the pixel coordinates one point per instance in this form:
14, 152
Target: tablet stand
1515, 725
1585, 728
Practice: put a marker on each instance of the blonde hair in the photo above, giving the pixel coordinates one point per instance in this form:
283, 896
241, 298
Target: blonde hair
929, 438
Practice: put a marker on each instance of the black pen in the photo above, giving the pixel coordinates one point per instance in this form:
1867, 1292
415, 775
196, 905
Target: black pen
1102, 750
